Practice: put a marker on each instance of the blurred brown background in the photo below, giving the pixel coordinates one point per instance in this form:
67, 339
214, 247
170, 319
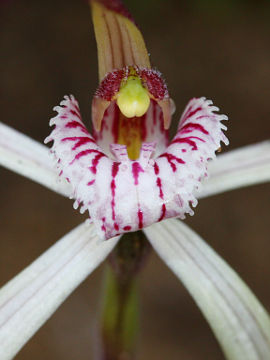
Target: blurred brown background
218, 49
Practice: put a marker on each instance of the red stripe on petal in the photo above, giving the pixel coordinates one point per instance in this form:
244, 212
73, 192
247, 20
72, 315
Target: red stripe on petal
115, 122
95, 162
80, 140
103, 227
161, 195
170, 158
85, 153
140, 218
73, 112
91, 182
163, 213
75, 124
156, 168
136, 169
127, 228
190, 113
115, 169
191, 126
159, 184
189, 141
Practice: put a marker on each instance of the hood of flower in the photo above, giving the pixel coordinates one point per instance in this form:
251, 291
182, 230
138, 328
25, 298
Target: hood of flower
138, 102
132, 88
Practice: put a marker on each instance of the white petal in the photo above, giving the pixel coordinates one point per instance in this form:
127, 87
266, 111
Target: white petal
241, 167
29, 158
30, 298
126, 195
238, 320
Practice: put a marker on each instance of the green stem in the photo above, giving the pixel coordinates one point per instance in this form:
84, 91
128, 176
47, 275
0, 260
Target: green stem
119, 321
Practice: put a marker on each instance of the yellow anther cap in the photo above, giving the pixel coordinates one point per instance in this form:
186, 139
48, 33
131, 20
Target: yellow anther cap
133, 99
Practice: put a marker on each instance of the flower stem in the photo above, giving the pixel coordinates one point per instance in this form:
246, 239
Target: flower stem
119, 320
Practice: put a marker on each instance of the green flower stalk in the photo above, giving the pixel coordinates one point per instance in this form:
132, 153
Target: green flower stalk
120, 312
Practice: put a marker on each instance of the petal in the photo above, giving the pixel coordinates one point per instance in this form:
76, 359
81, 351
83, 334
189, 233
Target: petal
30, 298
180, 170
29, 158
119, 41
125, 195
241, 167
238, 320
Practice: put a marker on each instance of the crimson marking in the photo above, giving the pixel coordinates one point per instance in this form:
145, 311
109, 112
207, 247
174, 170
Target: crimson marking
140, 218
77, 108
156, 168
155, 84
161, 195
115, 169
115, 123
91, 182
73, 112
103, 227
86, 152
95, 162
163, 212
194, 112
110, 85
191, 126
190, 113
127, 228
186, 141
170, 158
136, 169
80, 140
159, 185
75, 124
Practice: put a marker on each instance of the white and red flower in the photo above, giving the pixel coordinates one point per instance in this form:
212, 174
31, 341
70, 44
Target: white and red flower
129, 177
124, 195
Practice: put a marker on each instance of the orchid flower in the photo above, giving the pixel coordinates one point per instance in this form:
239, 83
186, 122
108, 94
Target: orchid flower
129, 177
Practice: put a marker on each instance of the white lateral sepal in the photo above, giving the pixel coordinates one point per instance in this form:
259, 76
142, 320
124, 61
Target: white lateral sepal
30, 298
31, 159
245, 166
238, 320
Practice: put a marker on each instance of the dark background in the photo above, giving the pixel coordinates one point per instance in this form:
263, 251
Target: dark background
217, 49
